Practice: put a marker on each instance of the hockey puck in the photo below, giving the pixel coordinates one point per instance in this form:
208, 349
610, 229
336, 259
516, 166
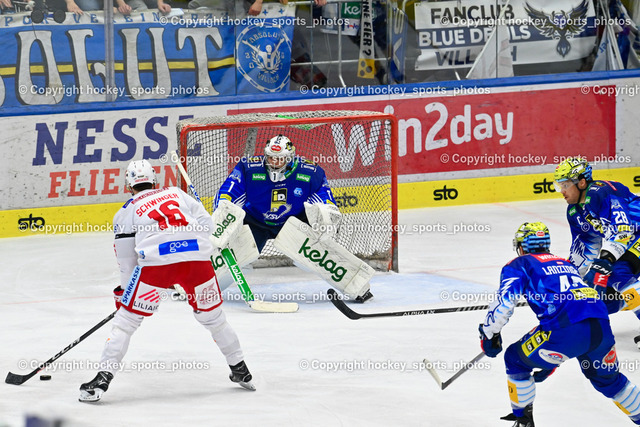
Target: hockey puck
45, 377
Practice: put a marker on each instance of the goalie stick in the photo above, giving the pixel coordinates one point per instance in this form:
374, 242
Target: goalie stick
344, 309
455, 376
238, 277
20, 379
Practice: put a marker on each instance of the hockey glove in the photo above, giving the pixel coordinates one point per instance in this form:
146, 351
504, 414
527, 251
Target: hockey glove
117, 296
227, 222
542, 374
491, 346
598, 273
323, 217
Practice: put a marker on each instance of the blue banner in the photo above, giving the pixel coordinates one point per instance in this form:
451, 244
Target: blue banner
181, 55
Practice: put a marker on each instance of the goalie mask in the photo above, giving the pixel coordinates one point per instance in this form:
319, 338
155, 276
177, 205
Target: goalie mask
532, 237
279, 155
139, 172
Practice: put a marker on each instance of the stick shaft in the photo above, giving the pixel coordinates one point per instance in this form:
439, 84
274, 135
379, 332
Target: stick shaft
464, 369
20, 379
228, 257
353, 315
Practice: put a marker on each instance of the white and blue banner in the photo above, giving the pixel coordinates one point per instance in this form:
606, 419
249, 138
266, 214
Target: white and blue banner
184, 54
451, 34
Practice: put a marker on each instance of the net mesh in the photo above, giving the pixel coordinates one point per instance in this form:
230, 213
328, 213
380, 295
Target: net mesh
353, 147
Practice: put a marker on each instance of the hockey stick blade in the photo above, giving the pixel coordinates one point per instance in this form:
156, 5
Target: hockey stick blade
344, 309
21, 379
455, 376
273, 307
340, 305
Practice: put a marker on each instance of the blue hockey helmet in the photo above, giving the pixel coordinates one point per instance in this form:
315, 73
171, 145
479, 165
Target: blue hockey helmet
532, 237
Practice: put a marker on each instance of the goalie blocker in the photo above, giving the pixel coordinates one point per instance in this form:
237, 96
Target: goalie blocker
322, 255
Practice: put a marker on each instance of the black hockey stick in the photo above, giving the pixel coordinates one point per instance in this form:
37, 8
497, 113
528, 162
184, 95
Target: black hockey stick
340, 305
21, 379
455, 376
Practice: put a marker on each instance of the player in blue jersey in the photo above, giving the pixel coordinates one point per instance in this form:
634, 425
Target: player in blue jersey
279, 188
276, 186
573, 324
604, 217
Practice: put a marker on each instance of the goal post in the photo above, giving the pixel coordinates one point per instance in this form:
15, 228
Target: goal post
357, 150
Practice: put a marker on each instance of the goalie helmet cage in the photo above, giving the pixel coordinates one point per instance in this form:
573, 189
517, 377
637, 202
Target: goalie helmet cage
356, 149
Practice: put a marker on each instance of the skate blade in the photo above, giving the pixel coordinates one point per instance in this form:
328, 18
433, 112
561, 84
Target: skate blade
90, 395
248, 385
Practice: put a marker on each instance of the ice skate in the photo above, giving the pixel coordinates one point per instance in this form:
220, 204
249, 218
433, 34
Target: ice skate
526, 420
93, 390
366, 297
240, 374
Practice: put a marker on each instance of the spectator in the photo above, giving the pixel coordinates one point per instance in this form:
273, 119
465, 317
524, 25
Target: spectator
127, 6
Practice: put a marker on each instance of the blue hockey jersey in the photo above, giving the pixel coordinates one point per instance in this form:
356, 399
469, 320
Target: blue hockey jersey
609, 219
552, 287
272, 203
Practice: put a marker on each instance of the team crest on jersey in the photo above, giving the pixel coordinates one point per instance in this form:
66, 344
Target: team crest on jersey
278, 198
297, 192
263, 52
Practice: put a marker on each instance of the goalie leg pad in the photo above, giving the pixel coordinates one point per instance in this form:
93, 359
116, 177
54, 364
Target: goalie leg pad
244, 249
325, 257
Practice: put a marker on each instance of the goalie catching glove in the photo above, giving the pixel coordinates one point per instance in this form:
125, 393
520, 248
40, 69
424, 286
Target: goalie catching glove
227, 222
323, 217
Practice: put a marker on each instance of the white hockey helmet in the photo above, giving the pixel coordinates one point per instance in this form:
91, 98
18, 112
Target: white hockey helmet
279, 154
140, 172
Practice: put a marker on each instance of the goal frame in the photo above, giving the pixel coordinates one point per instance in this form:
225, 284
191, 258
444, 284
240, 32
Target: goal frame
288, 121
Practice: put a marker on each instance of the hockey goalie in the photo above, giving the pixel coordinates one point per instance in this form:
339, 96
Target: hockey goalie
285, 197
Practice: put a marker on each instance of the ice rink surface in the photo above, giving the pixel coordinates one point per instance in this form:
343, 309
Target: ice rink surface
311, 368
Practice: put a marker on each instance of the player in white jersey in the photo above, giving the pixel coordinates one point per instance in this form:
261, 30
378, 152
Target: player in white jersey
162, 240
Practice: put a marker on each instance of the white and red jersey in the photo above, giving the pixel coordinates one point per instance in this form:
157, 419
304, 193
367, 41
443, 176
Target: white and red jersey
159, 227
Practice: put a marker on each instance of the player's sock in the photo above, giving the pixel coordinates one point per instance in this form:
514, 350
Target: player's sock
240, 374
628, 400
522, 392
93, 390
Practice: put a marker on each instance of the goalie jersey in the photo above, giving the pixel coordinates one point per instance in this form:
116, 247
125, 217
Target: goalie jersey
552, 287
272, 203
609, 219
